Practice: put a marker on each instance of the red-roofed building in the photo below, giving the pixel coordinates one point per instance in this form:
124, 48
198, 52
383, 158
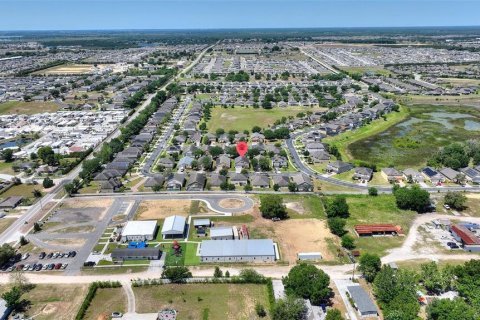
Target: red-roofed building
73, 149
469, 240
368, 230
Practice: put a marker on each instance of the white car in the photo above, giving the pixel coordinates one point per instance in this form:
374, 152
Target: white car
446, 206
117, 315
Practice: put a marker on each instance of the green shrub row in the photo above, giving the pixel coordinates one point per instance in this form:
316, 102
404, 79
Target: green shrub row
92, 290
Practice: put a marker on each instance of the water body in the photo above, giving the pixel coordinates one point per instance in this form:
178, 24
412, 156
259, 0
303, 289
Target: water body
14, 143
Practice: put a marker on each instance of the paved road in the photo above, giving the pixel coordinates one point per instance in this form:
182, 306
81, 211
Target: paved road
165, 138
212, 200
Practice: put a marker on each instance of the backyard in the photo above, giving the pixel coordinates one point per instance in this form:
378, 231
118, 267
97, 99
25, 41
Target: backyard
203, 301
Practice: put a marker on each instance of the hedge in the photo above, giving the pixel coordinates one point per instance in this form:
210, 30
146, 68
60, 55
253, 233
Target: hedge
92, 290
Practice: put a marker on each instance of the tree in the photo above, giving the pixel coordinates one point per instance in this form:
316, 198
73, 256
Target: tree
372, 191
308, 282
157, 188
292, 187
18, 279
370, 265
348, 242
337, 207
413, 198
37, 193
334, 314
227, 274
272, 206
215, 151
256, 129
177, 274
455, 200
45, 153
445, 309
217, 273
36, 227
435, 280
260, 310
23, 241
251, 276
6, 252
289, 308
7, 155
248, 187
336, 226
276, 187
47, 183
12, 297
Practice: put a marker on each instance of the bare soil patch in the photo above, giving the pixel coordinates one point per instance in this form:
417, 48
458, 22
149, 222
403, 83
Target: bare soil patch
231, 203
160, 209
87, 203
67, 242
295, 206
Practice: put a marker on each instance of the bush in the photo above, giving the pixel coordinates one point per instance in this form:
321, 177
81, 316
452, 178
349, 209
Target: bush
336, 226
348, 242
372, 191
92, 290
337, 207
177, 274
260, 310
272, 206
455, 200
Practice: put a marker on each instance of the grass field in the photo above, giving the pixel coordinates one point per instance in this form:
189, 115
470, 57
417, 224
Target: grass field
22, 107
195, 301
5, 223
370, 69
23, 190
241, 118
412, 142
59, 301
471, 99
105, 302
6, 168
304, 206
379, 209
188, 256
65, 69
344, 140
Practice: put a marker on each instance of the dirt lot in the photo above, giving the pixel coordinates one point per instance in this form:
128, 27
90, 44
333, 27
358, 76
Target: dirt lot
77, 243
59, 302
160, 209
69, 69
312, 233
86, 203
295, 206
231, 203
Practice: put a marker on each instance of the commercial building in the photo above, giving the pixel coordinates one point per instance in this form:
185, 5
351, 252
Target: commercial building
470, 241
362, 301
136, 254
259, 250
139, 230
174, 227
221, 233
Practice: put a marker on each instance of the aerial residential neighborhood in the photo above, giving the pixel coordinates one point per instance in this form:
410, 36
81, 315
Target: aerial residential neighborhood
182, 163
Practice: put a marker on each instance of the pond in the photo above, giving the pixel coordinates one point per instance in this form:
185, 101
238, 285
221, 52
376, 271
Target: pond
14, 143
413, 141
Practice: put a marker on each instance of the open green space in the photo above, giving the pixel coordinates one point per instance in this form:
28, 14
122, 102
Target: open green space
22, 190
304, 206
242, 118
6, 168
408, 138
193, 301
105, 302
22, 107
5, 223
187, 255
377, 70
471, 99
380, 209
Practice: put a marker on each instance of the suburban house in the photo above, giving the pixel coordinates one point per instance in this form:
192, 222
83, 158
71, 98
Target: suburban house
451, 175
111, 185
216, 180
223, 161
433, 176
471, 175
414, 175
279, 162
238, 179
392, 175
196, 181
319, 156
166, 163
302, 181
175, 182
339, 167
362, 173
260, 180
157, 180
258, 250
280, 180
241, 163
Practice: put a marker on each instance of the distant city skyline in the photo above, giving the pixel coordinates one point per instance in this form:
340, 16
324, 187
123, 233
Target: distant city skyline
215, 14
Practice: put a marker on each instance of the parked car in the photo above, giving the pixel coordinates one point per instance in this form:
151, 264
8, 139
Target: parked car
20, 267
64, 266
31, 267
117, 315
25, 268
10, 269
38, 267
55, 255
51, 266
446, 206
42, 255
25, 256
50, 255
58, 266
73, 253
45, 267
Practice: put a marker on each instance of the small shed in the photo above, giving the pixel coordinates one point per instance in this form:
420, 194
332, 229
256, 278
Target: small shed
363, 302
221, 233
309, 256
202, 223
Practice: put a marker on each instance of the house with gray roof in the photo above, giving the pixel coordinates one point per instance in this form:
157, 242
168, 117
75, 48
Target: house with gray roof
279, 162
339, 167
362, 173
414, 175
281, 180
196, 181
450, 174
302, 181
174, 227
221, 233
216, 180
260, 180
363, 302
391, 174
242, 163
157, 180
223, 161
319, 156
166, 163
175, 182
471, 175
238, 179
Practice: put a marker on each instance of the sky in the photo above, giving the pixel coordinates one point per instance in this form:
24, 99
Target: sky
215, 14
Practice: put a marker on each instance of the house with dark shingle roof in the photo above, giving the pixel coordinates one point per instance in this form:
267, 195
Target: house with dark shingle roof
260, 180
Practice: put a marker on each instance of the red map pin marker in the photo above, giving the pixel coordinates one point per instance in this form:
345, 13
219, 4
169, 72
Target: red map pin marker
242, 148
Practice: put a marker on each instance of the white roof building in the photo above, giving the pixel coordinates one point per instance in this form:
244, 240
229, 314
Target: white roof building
173, 226
139, 230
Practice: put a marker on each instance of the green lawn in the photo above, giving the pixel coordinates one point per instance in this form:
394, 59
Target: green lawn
380, 209
5, 223
242, 118
371, 69
312, 206
22, 107
187, 257
6, 168
22, 190
106, 301
194, 301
